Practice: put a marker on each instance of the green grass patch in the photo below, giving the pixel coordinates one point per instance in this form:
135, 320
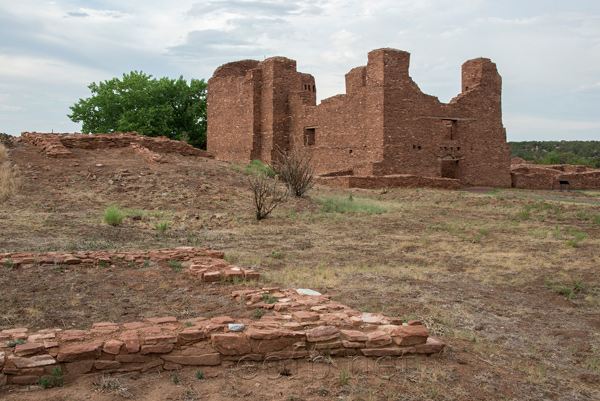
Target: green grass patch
162, 226
256, 167
349, 205
113, 216
569, 290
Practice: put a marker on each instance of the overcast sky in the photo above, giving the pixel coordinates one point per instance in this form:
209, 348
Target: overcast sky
547, 51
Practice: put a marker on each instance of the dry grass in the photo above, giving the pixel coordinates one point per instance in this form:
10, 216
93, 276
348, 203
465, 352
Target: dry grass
10, 179
489, 274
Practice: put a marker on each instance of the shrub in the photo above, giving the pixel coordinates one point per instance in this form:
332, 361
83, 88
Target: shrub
296, 169
267, 195
113, 216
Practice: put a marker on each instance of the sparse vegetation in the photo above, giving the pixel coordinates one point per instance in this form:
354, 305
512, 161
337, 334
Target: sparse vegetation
349, 205
10, 177
113, 216
51, 381
162, 226
464, 264
199, 375
296, 169
267, 195
256, 167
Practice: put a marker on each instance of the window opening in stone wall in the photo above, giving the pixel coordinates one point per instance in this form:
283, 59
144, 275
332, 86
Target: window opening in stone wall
309, 136
449, 129
419, 147
350, 151
314, 88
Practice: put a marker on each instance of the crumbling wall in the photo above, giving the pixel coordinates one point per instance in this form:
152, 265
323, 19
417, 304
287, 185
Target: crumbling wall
546, 177
58, 145
383, 125
297, 324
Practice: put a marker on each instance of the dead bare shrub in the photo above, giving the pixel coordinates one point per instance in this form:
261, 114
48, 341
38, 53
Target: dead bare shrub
267, 194
10, 179
296, 169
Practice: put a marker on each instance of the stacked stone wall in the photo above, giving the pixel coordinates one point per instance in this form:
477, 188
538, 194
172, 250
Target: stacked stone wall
391, 181
383, 125
546, 177
296, 324
58, 145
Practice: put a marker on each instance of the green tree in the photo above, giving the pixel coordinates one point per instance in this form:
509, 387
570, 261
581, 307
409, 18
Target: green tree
150, 106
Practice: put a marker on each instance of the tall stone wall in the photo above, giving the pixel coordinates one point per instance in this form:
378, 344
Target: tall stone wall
383, 125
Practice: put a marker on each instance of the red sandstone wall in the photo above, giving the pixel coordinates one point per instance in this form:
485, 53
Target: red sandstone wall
58, 145
233, 111
546, 177
383, 125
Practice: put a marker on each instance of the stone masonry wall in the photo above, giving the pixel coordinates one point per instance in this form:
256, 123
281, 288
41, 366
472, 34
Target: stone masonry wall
58, 145
546, 177
297, 324
383, 125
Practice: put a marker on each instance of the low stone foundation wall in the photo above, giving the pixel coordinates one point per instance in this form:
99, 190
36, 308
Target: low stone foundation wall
203, 263
390, 181
546, 177
299, 324
57, 145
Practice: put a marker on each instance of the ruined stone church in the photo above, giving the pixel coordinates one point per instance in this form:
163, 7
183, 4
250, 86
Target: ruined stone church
383, 132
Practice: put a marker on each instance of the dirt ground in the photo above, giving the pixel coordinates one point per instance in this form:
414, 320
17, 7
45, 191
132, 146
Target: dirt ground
509, 282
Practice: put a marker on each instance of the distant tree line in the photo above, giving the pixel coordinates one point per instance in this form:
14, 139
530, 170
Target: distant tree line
558, 152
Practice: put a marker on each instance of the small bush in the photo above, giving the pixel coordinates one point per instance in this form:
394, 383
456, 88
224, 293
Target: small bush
113, 216
199, 375
258, 313
267, 195
296, 169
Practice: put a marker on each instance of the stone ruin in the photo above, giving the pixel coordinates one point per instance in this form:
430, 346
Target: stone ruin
297, 324
525, 175
58, 145
384, 132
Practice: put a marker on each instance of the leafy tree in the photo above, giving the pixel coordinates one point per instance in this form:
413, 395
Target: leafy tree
150, 106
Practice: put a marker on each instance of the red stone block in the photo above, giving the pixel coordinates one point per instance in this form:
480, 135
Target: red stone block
211, 277
28, 349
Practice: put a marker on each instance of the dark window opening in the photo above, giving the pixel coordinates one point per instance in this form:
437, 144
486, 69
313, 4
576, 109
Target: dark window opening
458, 148
419, 147
350, 151
414, 146
309, 136
314, 88
450, 168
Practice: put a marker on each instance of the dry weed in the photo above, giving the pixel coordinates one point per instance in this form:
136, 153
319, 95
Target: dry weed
10, 179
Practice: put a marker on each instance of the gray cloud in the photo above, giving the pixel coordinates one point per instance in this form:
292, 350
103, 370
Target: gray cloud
254, 8
77, 14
